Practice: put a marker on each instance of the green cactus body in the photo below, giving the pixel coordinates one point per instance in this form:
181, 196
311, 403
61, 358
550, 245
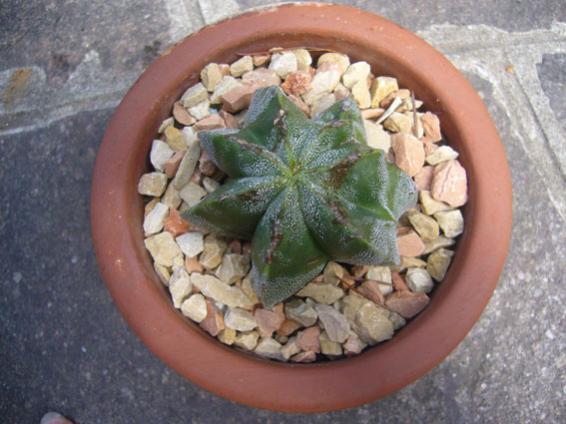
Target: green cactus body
304, 191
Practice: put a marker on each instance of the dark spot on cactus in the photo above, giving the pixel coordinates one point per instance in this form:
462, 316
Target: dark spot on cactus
276, 237
339, 172
334, 124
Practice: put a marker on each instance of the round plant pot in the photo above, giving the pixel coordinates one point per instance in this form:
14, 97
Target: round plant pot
117, 212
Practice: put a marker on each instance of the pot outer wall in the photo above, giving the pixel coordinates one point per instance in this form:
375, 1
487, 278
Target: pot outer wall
117, 212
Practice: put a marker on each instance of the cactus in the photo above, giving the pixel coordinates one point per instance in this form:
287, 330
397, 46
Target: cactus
304, 191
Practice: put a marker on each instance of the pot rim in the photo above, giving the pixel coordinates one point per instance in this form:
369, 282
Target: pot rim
117, 211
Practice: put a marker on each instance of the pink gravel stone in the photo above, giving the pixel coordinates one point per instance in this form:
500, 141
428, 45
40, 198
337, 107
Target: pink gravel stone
308, 356
353, 345
449, 183
229, 119
297, 83
175, 224
193, 265
424, 178
308, 340
238, 98
172, 164
398, 282
406, 303
261, 77
181, 114
431, 126
288, 327
214, 321
409, 153
370, 290
410, 244
269, 321
211, 122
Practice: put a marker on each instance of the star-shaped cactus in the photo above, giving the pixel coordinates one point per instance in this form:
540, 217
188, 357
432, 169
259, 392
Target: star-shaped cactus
304, 191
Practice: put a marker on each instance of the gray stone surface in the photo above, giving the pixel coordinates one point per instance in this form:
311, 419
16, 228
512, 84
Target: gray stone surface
63, 346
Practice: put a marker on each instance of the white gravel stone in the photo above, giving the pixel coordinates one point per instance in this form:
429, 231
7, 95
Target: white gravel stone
212, 287
437, 243
340, 59
333, 322
163, 248
163, 273
301, 312
187, 165
241, 66
160, 153
329, 347
379, 273
442, 154
179, 286
190, 135
397, 320
209, 184
438, 263
381, 87
233, 268
191, 244
324, 82
333, 272
424, 225
418, 280
321, 292
283, 63
152, 184
304, 59
195, 94
247, 340
451, 222
211, 76
214, 248
377, 137
372, 324
192, 193
360, 93
171, 197
201, 110
323, 103
153, 221
195, 307
290, 348
358, 71
429, 205
166, 123
239, 319
270, 348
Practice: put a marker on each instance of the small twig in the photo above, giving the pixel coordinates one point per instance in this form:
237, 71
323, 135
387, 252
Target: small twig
392, 108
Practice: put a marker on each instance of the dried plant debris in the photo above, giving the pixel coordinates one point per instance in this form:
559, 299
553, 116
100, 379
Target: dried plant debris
344, 308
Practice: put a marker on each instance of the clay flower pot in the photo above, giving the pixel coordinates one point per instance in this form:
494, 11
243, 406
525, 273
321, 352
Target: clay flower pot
117, 212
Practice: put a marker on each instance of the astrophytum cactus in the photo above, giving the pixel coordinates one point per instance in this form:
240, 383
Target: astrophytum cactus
303, 191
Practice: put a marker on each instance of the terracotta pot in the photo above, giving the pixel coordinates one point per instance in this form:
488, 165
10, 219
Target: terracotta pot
457, 303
